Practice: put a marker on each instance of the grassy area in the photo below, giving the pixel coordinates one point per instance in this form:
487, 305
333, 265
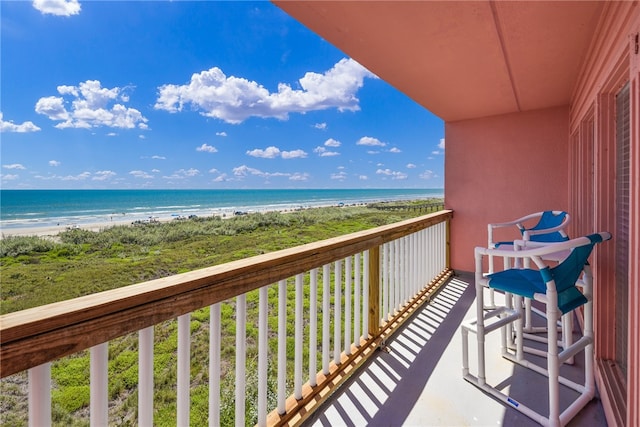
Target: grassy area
36, 271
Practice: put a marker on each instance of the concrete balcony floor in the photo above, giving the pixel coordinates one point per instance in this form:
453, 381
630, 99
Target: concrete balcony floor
417, 380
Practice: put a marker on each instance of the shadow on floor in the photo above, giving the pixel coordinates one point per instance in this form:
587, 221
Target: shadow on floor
417, 379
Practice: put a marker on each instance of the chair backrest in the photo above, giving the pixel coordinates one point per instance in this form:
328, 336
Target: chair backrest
549, 219
568, 271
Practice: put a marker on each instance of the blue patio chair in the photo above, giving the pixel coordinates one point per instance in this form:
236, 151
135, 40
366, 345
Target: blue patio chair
549, 227
555, 287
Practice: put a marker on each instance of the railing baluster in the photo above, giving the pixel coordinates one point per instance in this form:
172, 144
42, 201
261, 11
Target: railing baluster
365, 296
415, 284
326, 316
40, 395
385, 283
184, 365
396, 274
282, 345
145, 376
99, 385
337, 311
299, 321
241, 357
263, 355
347, 305
356, 303
313, 326
373, 268
214, 365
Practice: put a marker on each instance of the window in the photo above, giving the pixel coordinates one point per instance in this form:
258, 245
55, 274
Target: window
623, 138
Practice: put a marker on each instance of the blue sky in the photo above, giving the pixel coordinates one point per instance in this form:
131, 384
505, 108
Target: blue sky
101, 94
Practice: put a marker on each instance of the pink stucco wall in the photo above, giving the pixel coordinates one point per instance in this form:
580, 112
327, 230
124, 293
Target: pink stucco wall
501, 168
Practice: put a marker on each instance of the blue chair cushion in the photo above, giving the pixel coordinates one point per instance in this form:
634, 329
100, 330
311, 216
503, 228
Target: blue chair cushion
525, 282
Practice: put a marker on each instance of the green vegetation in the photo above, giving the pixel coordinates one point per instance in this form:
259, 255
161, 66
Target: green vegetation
36, 271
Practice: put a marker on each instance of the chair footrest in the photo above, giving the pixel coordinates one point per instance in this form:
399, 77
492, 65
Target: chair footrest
493, 320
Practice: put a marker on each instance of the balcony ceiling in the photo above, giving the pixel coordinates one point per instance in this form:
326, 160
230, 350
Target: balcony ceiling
459, 59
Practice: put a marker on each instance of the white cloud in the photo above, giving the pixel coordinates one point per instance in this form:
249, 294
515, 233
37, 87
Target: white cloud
323, 152
91, 106
435, 152
395, 150
183, 174
396, 175
340, 176
235, 99
332, 143
427, 174
244, 170
155, 170
103, 175
373, 152
221, 133
411, 166
273, 152
221, 178
58, 7
214, 170
370, 141
141, 174
80, 177
158, 157
441, 144
299, 176
112, 134
207, 148
142, 137
9, 126
54, 163
295, 154
14, 166
321, 126
363, 177
267, 153
8, 177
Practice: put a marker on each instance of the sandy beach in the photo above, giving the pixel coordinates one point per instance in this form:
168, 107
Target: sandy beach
53, 230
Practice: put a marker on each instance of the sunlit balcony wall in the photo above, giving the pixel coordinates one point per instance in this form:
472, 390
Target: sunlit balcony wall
527, 91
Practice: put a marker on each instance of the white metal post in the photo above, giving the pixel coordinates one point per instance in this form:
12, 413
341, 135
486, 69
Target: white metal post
184, 371
263, 356
40, 395
356, 301
214, 365
313, 326
326, 298
347, 305
99, 385
299, 321
282, 345
241, 356
145, 376
337, 311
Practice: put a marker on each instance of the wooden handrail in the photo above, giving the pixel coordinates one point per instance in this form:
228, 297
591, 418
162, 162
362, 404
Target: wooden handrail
38, 335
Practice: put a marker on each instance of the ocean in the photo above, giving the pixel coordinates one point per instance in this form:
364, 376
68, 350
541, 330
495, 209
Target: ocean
42, 208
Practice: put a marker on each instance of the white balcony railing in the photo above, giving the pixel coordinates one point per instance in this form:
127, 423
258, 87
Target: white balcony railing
348, 292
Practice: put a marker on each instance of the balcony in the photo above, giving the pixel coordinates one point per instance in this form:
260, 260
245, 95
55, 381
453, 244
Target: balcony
363, 327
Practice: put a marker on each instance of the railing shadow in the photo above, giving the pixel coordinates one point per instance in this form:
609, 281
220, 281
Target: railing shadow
390, 388
393, 380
